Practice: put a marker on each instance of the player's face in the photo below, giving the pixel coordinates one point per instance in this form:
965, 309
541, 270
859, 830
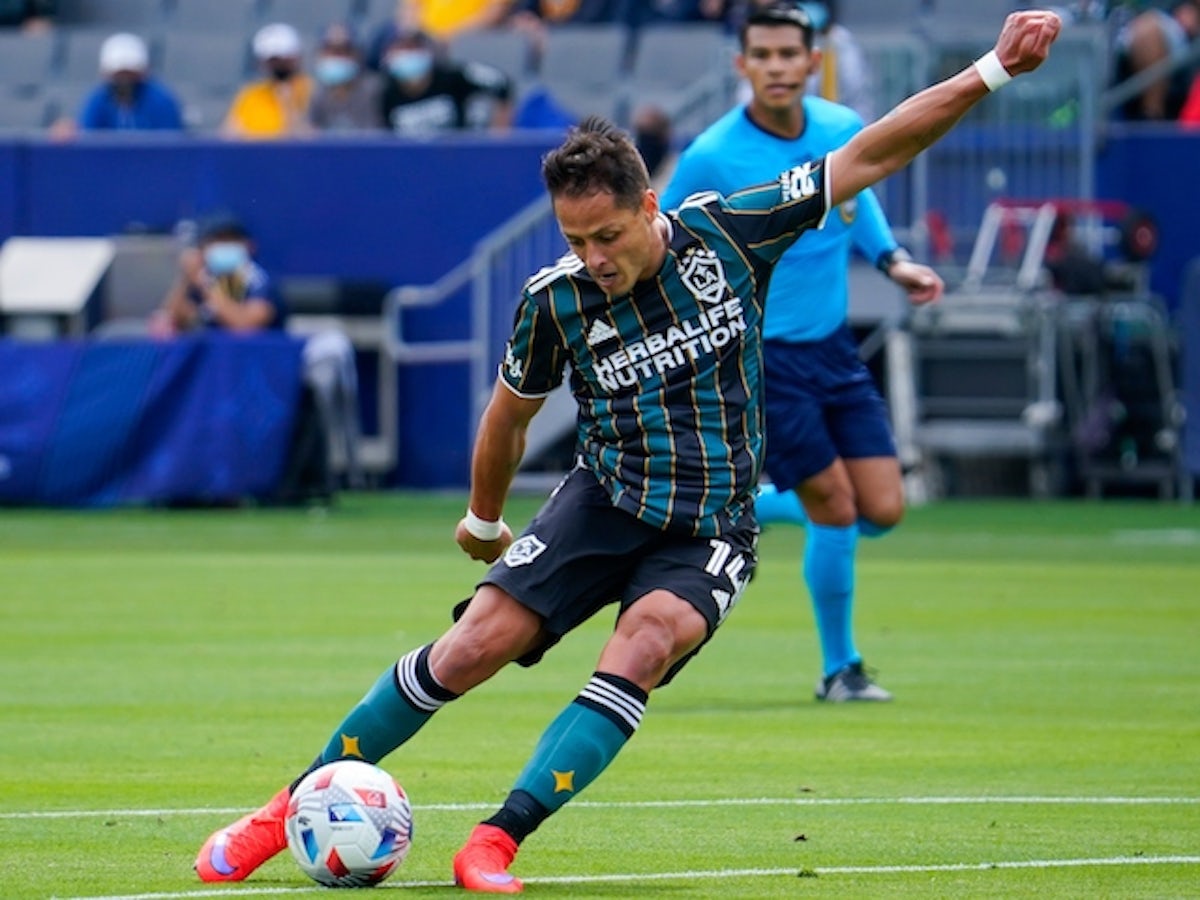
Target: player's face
620, 246
776, 63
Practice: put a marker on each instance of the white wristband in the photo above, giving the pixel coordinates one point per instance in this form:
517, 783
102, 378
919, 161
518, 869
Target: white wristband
482, 529
992, 71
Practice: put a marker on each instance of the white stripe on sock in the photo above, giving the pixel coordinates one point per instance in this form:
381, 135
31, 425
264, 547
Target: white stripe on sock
630, 709
410, 685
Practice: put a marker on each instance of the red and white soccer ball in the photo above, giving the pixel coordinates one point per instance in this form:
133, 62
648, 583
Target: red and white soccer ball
349, 824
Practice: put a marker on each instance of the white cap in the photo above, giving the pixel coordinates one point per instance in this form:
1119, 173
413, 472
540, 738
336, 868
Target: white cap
277, 39
123, 53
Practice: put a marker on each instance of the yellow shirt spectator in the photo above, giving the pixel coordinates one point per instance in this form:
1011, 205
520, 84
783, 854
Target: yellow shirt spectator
445, 18
271, 109
276, 106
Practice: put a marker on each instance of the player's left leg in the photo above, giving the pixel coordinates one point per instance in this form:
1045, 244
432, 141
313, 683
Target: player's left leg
656, 634
585, 737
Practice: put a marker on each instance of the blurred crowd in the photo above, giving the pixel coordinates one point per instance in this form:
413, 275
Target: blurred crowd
395, 72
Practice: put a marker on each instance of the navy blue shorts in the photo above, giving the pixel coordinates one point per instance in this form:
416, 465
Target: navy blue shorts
580, 553
822, 404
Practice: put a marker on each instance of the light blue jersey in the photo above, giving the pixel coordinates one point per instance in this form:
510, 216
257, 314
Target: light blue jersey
811, 278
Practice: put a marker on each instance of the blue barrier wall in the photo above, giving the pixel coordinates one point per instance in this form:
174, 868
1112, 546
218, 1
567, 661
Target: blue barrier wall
1156, 170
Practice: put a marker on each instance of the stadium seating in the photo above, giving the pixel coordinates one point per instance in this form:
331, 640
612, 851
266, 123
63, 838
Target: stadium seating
227, 16
308, 16
216, 62
24, 111
26, 61
117, 15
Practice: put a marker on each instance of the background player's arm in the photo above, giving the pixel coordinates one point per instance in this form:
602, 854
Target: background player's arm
889, 144
872, 236
499, 446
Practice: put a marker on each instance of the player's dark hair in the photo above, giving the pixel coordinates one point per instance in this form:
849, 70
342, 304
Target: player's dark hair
776, 15
597, 156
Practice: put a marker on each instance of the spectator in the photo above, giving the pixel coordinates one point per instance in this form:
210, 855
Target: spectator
653, 135
682, 11
426, 93
1189, 116
440, 19
1149, 38
32, 16
127, 99
842, 74
220, 286
277, 105
347, 96
578, 12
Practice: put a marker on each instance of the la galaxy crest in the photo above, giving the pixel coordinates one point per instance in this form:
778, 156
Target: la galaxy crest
702, 274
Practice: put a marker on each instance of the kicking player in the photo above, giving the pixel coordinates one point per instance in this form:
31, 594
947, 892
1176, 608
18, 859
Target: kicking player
660, 319
828, 435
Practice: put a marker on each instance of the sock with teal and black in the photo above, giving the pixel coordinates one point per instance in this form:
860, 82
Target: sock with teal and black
404, 698
576, 747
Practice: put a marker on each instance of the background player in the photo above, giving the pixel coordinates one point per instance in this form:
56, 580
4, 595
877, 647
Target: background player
828, 434
658, 514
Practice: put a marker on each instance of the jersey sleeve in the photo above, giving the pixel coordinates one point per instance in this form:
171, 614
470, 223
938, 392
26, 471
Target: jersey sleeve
770, 217
534, 357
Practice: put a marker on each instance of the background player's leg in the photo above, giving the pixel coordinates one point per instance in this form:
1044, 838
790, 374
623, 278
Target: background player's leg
773, 505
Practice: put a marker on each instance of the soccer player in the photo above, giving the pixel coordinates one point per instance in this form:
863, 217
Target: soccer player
828, 435
660, 318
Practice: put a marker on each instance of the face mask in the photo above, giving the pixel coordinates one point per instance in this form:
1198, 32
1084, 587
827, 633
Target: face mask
410, 65
224, 257
335, 70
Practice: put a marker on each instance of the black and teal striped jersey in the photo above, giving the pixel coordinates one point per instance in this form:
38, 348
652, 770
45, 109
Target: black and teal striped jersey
667, 377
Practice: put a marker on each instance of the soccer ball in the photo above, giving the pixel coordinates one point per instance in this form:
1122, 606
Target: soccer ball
349, 824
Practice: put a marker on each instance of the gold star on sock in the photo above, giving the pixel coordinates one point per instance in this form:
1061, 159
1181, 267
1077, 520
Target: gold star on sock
350, 746
563, 781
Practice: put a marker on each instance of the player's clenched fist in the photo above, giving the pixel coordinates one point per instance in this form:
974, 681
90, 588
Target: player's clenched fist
1025, 39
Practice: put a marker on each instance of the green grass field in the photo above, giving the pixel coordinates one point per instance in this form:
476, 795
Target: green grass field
162, 672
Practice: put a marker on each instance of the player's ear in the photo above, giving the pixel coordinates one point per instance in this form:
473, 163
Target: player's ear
650, 203
739, 64
815, 55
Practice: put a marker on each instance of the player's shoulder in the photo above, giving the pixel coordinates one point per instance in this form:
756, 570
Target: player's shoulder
827, 114
714, 140
541, 283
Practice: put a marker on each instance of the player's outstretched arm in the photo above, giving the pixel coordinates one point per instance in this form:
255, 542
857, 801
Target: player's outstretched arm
499, 446
889, 144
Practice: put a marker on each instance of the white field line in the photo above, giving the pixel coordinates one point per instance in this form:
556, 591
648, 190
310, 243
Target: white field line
714, 874
659, 804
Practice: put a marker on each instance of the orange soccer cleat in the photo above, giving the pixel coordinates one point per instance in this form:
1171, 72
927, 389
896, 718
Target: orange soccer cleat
482, 864
233, 852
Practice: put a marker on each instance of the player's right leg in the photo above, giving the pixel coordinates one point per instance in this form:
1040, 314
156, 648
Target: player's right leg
493, 630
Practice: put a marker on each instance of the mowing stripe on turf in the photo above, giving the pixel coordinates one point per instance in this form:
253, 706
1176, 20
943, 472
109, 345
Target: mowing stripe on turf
691, 876
657, 804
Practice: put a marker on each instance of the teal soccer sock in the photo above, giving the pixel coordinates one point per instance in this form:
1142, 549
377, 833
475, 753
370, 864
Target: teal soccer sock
773, 505
582, 741
404, 698
829, 572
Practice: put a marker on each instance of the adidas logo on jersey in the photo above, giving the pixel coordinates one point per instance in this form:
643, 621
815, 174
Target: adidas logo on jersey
600, 332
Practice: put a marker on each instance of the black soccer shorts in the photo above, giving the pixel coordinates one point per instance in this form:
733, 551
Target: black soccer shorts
580, 553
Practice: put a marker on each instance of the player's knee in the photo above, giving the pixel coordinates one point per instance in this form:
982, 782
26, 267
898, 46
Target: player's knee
883, 512
831, 507
653, 639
